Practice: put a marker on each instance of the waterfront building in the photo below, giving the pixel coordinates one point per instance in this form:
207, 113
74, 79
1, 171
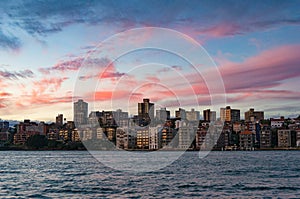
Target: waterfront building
247, 140
142, 137
167, 134
186, 135
297, 137
265, 137
200, 136
212, 136
154, 137
4, 132
122, 138
284, 138
26, 129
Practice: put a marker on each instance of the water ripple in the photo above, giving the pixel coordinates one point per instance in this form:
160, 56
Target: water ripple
76, 174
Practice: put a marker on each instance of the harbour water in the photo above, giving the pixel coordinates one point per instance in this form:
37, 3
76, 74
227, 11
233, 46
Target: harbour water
76, 174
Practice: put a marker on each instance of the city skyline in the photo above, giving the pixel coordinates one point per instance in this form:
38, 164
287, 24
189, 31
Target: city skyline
81, 113
255, 46
144, 131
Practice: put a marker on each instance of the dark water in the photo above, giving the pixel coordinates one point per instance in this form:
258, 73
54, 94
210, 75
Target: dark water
76, 174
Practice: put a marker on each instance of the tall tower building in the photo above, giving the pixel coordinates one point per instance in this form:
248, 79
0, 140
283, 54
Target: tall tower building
206, 115
163, 114
181, 113
145, 112
80, 112
209, 115
229, 115
222, 114
59, 120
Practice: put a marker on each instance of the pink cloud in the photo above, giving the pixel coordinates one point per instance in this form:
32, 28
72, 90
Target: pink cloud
5, 94
49, 84
111, 95
69, 65
222, 29
75, 64
2, 105
36, 99
266, 70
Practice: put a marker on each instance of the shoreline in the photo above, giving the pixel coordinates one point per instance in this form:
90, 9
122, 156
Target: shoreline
139, 150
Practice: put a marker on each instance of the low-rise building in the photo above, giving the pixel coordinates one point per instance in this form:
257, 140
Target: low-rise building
284, 138
298, 137
186, 136
166, 137
154, 137
277, 123
122, 138
200, 137
265, 138
26, 129
142, 137
246, 140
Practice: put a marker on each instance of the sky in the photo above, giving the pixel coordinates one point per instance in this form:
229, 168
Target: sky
55, 52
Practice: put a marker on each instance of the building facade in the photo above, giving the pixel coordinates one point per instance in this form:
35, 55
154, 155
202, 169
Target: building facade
59, 120
193, 115
284, 138
162, 115
229, 115
265, 138
186, 136
145, 112
253, 116
209, 116
277, 123
247, 140
80, 112
142, 138
154, 138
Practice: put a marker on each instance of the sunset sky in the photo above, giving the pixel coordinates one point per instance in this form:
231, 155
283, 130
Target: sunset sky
43, 45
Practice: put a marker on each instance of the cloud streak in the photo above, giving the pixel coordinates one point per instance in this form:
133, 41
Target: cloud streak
266, 70
15, 75
9, 41
42, 18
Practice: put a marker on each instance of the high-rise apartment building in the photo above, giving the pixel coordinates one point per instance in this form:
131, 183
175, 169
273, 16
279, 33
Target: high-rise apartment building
59, 120
181, 113
142, 137
209, 115
145, 112
162, 115
229, 115
193, 115
252, 115
80, 112
284, 138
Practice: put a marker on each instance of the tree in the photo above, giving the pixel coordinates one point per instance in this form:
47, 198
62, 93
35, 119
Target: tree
37, 141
